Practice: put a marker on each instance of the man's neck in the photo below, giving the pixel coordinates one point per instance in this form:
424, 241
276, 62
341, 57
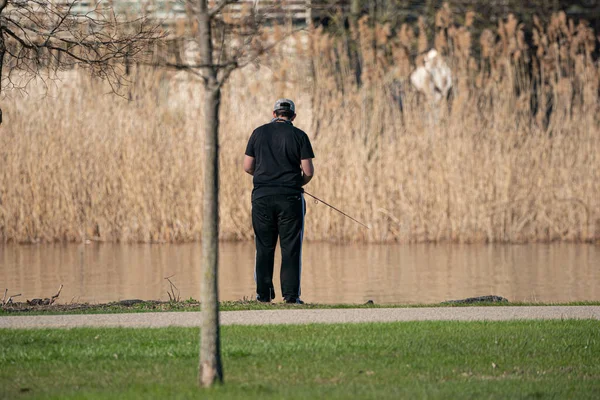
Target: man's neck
282, 119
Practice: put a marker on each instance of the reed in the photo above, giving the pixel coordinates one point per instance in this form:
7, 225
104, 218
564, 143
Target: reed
496, 165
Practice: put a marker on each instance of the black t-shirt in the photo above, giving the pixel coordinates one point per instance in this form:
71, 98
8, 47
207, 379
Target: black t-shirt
278, 148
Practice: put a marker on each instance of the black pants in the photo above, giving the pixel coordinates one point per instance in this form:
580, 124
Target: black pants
272, 217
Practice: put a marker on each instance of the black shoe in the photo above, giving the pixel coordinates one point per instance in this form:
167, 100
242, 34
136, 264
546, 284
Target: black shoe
263, 300
294, 300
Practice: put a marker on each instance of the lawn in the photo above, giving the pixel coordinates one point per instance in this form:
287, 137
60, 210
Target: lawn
437, 360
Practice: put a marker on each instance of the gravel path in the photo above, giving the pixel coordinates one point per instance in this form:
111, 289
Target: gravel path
164, 319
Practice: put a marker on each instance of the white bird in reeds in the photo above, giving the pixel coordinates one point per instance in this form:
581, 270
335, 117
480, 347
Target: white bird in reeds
434, 78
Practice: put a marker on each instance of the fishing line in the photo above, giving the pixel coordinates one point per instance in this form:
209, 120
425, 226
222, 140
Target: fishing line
340, 211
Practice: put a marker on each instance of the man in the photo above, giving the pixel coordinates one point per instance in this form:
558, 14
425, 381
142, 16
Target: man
279, 156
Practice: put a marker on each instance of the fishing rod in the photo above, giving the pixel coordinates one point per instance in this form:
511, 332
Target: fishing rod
340, 211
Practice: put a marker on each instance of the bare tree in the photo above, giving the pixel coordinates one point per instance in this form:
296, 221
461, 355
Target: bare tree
216, 64
228, 37
38, 38
210, 368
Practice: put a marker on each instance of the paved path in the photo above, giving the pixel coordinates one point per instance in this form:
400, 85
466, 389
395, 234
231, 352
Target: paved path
268, 317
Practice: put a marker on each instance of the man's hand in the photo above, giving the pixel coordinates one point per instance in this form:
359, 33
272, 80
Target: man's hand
249, 164
308, 170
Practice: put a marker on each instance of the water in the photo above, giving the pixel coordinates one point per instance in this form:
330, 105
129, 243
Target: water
350, 273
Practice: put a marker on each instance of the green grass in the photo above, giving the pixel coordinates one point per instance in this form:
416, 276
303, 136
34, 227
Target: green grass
433, 360
241, 305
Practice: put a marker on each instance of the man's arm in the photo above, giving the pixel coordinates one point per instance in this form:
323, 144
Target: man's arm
249, 164
308, 170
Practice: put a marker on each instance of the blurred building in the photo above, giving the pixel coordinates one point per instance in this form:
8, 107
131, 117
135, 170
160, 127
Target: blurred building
394, 12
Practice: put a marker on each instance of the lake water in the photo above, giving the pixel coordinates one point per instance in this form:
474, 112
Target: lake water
332, 273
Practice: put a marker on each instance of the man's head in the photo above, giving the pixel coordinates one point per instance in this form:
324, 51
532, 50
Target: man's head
284, 108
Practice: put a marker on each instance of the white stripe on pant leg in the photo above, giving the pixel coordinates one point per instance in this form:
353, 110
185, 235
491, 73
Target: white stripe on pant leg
301, 241
255, 259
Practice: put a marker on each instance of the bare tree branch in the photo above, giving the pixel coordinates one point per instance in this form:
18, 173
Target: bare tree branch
219, 7
34, 33
197, 66
236, 43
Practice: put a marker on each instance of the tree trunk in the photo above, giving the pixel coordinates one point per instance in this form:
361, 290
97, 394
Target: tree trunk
2, 50
210, 369
210, 347
308, 12
355, 8
354, 43
2, 53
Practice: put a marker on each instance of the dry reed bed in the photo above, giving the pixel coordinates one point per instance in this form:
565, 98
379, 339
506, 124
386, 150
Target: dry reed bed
80, 164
